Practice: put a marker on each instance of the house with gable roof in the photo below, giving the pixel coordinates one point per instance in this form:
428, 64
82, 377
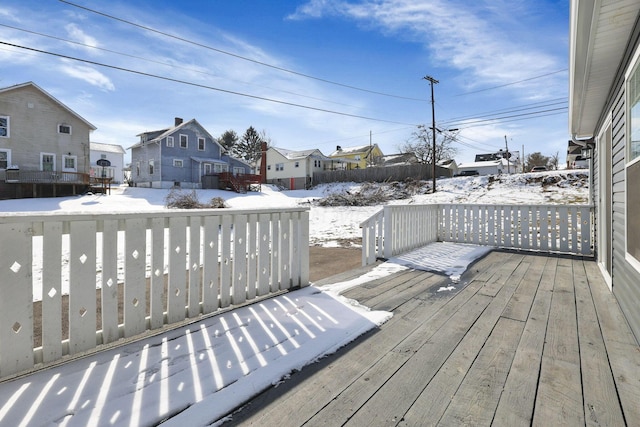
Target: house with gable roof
114, 153
291, 169
358, 157
44, 144
180, 156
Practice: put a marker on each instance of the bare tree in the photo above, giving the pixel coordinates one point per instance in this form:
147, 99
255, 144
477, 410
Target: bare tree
421, 144
555, 161
536, 159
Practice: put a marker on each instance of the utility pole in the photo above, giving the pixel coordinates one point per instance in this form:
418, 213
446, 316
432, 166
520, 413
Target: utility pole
433, 129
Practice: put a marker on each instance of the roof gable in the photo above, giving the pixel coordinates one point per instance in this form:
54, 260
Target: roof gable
48, 95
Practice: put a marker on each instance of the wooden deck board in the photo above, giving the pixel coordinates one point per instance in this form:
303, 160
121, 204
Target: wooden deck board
525, 340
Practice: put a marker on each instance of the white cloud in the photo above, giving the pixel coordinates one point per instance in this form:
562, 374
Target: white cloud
89, 75
78, 35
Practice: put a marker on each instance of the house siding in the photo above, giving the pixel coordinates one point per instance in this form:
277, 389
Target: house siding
34, 120
625, 278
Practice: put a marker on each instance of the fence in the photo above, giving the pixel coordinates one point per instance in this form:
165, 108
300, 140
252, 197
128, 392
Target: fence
547, 228
149, 269
380, 174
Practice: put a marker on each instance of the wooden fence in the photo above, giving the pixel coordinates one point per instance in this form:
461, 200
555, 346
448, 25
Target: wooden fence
151, 270
380, 174
547, 228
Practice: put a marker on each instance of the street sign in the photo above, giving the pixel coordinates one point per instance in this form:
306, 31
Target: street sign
103, 162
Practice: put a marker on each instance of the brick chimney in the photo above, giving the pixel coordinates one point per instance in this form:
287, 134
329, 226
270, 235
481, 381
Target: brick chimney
178, 121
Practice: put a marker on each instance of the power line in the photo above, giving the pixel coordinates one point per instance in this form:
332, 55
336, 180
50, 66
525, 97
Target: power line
512, 83
167, 64
541, 104
141, 73
235, 55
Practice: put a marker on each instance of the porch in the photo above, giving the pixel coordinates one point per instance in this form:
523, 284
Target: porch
528, 339
36, 183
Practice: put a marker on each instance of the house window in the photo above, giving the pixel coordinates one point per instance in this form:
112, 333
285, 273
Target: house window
238, 170
137, 168
207, 168
69, 163
5, 158
4, 127
632, 167
201, 144
63, 128
279, 166
297, 164
169, 141
177, 163
150, 167
47, 162
103, 156
268, 167
184, 141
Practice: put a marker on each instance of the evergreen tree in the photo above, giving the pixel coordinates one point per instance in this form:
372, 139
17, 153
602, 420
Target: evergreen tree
249, 147
228, 139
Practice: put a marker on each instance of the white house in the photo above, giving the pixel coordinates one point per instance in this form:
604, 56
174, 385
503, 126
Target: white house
114, 154
293, 169
491, 167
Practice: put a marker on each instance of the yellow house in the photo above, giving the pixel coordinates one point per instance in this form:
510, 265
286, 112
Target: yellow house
359, 157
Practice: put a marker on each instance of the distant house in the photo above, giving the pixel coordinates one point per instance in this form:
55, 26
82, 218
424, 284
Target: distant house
114, 154
490, 167
450, 165
604, 100
180, 156
293, 169
400, 159
359, 157
44, 145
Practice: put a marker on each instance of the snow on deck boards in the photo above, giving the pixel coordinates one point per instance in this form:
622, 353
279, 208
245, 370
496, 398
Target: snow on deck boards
526, 340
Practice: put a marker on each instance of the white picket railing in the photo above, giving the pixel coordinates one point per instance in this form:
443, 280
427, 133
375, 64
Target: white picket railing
151, 269
547, 228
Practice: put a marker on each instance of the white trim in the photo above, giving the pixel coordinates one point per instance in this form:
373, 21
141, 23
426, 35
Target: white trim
176, 161
60, 125
180, 140
8, 135
603, 241
75, 162
634, 65
54, 160
8, 151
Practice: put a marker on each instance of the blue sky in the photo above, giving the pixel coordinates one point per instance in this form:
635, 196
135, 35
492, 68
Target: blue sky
311, 74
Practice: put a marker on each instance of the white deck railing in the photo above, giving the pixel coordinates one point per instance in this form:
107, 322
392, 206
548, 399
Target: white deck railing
151, 270
547, 228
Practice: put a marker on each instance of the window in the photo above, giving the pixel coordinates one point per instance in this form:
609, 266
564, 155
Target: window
137, 168
238, 170
279, 166
207, 168
297, 164
4, 127
5, 159
268, 167
69, 163
169, 141
63, 128
201, 144
150, 167
47, 162
177, 163
632, 165
184, 141
103, 156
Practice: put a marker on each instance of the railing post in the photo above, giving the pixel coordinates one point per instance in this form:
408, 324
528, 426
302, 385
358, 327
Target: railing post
387, 234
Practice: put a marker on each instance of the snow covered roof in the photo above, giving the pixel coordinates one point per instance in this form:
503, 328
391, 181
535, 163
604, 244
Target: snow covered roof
295, 155
352, 150
207, 160
107, 148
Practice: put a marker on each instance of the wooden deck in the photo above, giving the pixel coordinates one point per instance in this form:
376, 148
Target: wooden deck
528, 340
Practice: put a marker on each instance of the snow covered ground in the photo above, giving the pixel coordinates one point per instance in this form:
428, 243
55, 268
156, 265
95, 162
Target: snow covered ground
202, 371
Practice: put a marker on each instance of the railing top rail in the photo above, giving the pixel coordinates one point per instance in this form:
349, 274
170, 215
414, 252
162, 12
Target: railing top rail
373, 217
548, 205
13, 217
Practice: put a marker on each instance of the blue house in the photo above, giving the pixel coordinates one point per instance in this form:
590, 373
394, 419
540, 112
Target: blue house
185, 156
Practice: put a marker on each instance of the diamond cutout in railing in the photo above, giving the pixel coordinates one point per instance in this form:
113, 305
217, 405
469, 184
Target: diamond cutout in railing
135, 254
52, 292
110, 282
83, 311
83, 258
157, 272
194, 267
15, 267
212, 245
16, 327
135, 302
177, 249
284, 236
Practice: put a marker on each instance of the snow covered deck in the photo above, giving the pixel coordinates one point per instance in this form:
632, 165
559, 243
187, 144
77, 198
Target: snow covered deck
528, 340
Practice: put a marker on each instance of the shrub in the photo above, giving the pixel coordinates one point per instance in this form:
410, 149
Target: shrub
189, 200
